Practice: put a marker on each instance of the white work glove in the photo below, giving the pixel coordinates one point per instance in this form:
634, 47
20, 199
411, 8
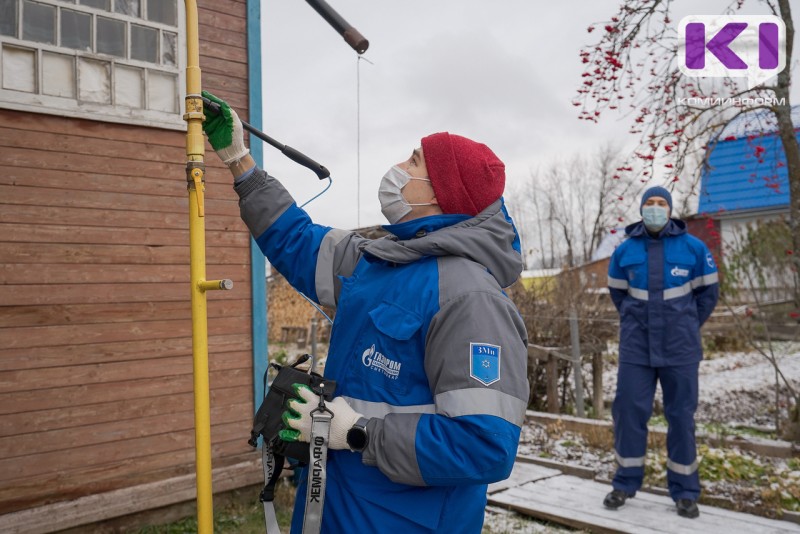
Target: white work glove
224, 131
298, 418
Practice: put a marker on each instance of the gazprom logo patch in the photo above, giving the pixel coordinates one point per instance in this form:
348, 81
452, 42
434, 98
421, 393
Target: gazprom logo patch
376, 361
677, 271
484, 363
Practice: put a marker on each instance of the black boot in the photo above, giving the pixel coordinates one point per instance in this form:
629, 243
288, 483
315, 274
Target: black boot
687, 508
615, 499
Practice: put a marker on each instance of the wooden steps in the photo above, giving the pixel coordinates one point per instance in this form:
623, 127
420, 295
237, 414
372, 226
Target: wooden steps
547, 493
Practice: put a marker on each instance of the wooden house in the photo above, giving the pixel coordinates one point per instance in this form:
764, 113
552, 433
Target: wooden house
96, 368
747, 179
746, 185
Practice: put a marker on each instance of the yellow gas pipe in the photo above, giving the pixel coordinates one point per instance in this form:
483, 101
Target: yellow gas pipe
195, 171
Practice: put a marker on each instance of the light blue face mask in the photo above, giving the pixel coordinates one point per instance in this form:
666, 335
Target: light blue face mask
655, 217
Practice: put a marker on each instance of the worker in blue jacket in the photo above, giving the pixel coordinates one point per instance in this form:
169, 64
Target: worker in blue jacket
428, 352
664, 284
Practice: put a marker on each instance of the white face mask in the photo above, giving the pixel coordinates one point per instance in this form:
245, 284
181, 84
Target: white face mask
390, 194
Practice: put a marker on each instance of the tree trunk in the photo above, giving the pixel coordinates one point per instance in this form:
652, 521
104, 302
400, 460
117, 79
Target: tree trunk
790, 145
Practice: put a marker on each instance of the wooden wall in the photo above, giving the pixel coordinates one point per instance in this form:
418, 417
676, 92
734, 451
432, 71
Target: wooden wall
95, 322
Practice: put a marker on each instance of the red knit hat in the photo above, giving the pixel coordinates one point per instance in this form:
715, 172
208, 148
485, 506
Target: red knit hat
466, 176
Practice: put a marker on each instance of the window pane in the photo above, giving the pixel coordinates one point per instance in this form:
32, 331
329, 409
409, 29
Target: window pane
110, 37
128, 85
127, 7
164, 11
162, 92
95, 81
8, 17
169, 52
38, 23
99, 4
76, 30
58, 75
19, 69
144, 43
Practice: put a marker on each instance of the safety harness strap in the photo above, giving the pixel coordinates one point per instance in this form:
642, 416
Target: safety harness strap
317, 472
270, 520
273, 465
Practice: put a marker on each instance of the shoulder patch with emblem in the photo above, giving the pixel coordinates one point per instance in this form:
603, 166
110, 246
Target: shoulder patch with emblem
484, 362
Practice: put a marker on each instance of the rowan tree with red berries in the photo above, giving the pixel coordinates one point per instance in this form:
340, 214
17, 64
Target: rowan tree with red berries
634, 66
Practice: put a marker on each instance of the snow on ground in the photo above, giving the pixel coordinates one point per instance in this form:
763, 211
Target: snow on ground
499, 521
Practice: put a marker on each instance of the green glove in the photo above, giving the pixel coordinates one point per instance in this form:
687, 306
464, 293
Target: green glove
224, 131
297, 418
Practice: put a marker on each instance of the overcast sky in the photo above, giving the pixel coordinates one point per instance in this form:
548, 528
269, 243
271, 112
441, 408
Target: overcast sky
502, 72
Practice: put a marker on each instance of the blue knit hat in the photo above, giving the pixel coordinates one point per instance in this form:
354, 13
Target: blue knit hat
657, 191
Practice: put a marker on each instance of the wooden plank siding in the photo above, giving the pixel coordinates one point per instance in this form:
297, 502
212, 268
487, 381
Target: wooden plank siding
95, 313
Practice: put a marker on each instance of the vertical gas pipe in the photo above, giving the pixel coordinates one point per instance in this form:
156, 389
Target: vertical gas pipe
195, 170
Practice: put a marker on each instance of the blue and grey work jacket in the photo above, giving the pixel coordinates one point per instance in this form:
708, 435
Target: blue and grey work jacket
425, 343
664, 288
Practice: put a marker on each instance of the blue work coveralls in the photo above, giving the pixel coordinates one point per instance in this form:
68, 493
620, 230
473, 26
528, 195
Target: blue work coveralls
664, 287
425, 344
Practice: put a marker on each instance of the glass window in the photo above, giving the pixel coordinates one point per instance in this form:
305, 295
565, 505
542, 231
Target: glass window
99, 4
169, 50
164, 11
76, 30
116, 59
8, 17
38, 23
162, 91
127, 7
144, 43
19, 69
110, 37
95, 81
58, 75
128, 86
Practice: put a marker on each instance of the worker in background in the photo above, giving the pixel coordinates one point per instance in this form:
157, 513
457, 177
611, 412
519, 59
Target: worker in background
428, 352
664, 284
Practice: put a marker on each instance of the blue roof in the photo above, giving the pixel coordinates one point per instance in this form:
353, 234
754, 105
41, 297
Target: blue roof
745, 173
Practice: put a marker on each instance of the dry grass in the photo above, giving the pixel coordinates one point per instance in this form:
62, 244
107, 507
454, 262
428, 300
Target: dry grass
600, 438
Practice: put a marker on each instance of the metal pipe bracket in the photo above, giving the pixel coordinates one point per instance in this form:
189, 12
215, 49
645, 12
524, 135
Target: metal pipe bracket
211, 285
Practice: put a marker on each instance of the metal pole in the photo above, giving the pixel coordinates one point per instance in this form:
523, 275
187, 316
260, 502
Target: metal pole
352, 36
576, 360
195, 178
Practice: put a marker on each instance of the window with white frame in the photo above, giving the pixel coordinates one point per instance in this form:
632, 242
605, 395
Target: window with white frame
115, 60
